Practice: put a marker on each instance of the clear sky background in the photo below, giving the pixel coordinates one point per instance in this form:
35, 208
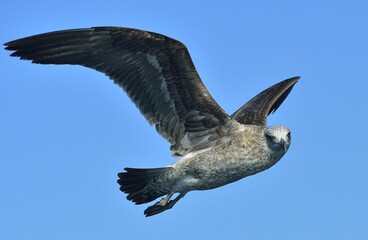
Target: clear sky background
66, 131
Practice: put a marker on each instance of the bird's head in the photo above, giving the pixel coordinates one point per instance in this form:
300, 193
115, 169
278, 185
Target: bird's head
278, 138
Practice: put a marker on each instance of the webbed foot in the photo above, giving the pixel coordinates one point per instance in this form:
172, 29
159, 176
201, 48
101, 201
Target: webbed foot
162, 205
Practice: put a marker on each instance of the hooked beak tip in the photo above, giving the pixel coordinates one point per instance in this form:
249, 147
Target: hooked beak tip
283, 142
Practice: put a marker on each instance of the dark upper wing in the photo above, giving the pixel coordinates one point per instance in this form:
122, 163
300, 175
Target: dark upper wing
258, 108
154, 70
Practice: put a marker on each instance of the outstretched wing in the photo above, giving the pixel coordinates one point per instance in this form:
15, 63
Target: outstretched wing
255, 111
154, 70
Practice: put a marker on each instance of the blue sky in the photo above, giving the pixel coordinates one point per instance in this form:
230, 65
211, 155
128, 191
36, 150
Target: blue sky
66, 131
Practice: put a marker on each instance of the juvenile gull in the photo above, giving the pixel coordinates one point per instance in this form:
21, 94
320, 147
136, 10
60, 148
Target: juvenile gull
158, 74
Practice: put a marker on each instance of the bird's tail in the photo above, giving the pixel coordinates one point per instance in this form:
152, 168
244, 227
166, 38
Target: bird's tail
134, 181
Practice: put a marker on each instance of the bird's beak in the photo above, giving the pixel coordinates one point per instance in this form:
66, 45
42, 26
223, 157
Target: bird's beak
283, 143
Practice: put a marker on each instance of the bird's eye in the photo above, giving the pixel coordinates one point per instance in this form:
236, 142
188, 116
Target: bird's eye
289, 135
269, 137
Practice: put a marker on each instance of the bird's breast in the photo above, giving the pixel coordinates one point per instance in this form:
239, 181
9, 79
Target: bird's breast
235, 159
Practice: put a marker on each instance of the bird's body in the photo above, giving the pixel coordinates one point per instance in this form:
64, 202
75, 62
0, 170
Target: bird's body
244, 153
157, 73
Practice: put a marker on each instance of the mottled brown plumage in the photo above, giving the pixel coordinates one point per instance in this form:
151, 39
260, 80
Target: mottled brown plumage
159, 76
256, 110
173, 93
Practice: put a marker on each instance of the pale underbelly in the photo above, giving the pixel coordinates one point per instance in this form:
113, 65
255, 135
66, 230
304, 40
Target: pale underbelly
203, 173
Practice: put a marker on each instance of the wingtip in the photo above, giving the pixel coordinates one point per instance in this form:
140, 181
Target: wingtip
11, 46
290, 81
295, 78
7, 45
13, 43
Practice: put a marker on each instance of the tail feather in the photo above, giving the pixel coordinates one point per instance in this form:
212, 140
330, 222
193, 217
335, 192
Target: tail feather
134, 181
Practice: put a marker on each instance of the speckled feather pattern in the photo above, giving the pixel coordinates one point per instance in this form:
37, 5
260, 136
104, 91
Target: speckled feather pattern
244, 153
159, 76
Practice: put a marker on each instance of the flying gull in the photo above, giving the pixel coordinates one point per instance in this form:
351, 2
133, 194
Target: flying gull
158, 74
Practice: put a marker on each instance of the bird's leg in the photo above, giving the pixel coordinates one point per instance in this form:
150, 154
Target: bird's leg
171, 203
164, 201
163, 205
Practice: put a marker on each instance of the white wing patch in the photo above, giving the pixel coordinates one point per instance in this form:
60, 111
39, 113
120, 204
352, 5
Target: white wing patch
152, 59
